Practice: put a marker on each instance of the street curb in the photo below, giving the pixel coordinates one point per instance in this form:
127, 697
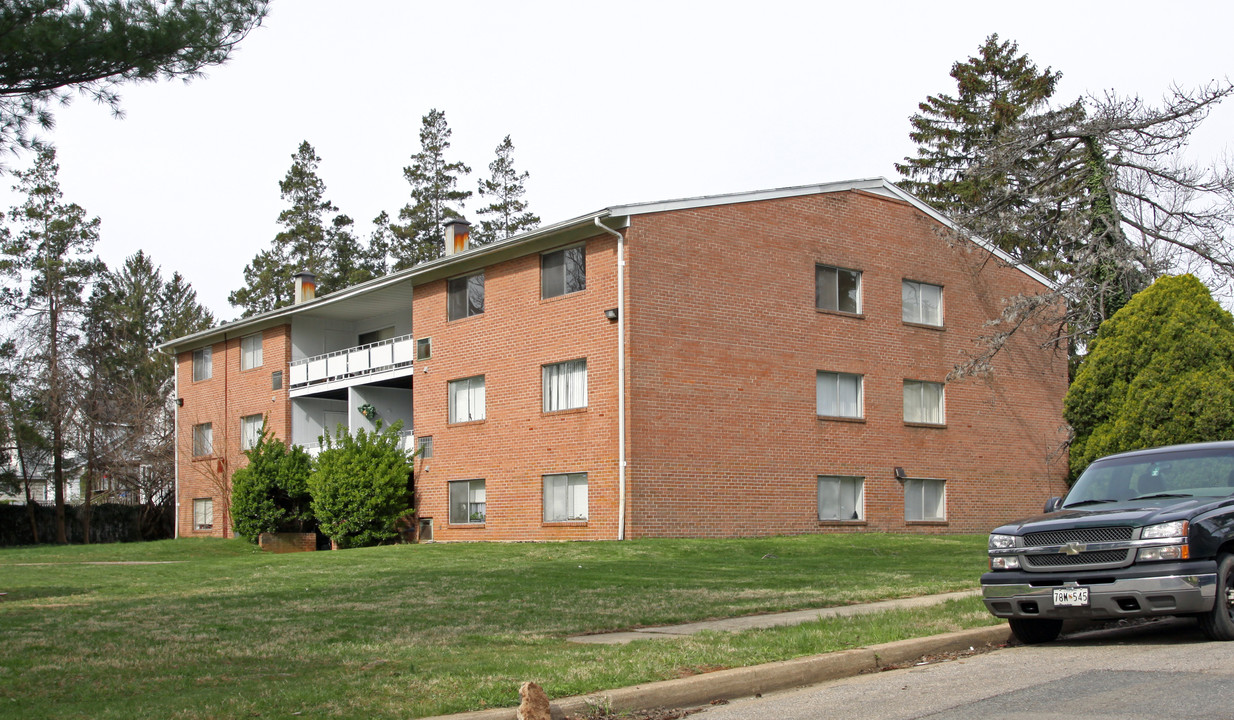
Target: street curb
757, 679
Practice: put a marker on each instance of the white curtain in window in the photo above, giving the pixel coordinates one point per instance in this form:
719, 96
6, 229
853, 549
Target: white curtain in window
840, 498
250, 431
250, 352
923, 402
467, 399
565, 385
838, 394
924, 500
565, 497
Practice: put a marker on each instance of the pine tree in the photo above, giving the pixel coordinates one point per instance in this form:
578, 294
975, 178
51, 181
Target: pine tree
994, 90
434, 193
48, 258
508, 210
127, 422
52, 47
329, 250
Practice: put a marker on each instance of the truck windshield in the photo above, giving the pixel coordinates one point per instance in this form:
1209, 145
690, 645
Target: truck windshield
1205, 472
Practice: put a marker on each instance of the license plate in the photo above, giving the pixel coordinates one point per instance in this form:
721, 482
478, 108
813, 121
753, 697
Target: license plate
1071, 597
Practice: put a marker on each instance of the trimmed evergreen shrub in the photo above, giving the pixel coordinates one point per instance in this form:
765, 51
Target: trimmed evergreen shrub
271, 494
361, 485
1160, 372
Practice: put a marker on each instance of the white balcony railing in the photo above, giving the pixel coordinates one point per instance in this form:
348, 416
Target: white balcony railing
361, 360
407, 442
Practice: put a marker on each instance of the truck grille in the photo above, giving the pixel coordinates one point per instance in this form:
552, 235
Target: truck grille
1053, 560
1080, 535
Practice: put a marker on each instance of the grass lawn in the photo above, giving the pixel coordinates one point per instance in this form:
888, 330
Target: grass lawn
226, 631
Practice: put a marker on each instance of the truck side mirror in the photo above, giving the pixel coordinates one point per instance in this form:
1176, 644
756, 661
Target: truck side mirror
1053, 504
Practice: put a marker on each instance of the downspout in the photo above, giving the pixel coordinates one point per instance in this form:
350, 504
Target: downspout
621, 378
175, 436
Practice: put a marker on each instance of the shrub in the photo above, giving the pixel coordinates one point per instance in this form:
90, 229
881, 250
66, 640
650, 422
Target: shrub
270, 494
1160, 372
361, 485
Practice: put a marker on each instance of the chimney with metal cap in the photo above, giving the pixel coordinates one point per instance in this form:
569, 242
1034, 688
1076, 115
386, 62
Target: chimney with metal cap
458, 235
306, 287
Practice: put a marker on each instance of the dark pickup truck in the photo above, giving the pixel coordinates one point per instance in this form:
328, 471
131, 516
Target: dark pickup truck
1142, 533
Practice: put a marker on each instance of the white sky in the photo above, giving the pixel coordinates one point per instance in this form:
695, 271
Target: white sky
606, 104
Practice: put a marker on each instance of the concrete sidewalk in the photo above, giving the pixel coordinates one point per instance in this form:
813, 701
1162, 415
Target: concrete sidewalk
748, 681
751, 622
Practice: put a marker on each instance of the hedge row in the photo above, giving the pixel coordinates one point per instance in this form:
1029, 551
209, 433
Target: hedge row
108, 523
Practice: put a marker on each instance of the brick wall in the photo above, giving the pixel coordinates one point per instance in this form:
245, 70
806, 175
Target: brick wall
229, 394
517, 444
725, 344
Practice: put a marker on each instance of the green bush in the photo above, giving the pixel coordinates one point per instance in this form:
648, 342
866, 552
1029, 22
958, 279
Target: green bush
361, 485
271, 493
1160, 372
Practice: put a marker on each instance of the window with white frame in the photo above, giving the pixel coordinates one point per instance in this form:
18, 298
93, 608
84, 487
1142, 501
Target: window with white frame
922, 303
250, 351
465, 296
563, 272
424, 348
565, 497
837, 289
838, 395
202, 364
203, 513
250, 431
466, 399
424, 445
467, 502
203, 439
925, 500
841, 497
565, 385
923, 402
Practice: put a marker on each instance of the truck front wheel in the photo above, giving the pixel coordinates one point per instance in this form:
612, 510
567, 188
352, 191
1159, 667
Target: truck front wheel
1033, 631
1218, 623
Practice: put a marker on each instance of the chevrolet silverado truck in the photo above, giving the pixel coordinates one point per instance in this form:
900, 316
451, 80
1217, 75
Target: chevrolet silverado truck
1142, 533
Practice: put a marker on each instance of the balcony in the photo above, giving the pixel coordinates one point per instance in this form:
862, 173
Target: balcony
407, 443
374, 358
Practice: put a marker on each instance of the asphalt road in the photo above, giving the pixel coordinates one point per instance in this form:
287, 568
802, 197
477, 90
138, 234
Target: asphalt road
1163, 669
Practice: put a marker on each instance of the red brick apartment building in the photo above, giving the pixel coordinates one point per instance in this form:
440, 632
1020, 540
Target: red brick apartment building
759, 363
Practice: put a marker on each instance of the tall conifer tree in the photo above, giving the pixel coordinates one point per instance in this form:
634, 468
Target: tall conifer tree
48, 258
435, 196
994, 90
507, 213
328, 249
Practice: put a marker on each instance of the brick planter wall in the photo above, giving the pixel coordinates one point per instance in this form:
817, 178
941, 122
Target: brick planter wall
287, 542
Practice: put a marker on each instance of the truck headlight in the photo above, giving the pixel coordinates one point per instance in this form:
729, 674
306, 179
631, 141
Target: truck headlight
1002, 542
1169, 552
1005, 562
1176, 529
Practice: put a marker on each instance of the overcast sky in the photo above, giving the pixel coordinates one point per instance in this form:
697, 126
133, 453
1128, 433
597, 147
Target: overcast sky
606, 104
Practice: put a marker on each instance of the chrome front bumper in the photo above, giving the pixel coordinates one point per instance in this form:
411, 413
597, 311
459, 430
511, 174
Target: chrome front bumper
1126, 597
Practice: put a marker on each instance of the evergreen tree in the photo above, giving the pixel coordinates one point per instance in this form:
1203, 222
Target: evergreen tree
48, 258
508, 210
994, 90
53, 47
1096, 195
1160, 372
270, 493
126, 425
434, 193
329, 250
